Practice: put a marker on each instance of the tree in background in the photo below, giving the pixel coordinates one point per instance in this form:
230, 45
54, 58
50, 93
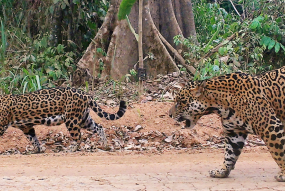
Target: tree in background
114, 51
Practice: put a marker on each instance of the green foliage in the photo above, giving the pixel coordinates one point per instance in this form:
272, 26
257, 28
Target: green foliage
132, 74
257, 44
3, 44
216, 20
125, 8
35, 65
53, 62
101, 63
21, 81
29, 58
212, 68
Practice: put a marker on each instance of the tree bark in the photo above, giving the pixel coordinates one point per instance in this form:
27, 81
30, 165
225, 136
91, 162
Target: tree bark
56, 29
162, 20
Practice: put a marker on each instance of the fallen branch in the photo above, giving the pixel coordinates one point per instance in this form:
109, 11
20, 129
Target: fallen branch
212, 51
176, 54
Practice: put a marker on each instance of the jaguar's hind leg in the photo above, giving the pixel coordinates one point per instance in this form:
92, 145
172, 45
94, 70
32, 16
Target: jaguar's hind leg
233, 147
31, 136
274, 139
90, 125
74, 130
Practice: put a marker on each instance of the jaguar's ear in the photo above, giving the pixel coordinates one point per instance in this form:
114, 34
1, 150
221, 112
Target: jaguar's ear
198, 90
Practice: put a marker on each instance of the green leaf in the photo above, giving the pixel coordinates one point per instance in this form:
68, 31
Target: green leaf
63, 5
277, 47
256, 22
271, 44
222, 50
259, 18
38, 82
125, 8
60, 48
44, 42
25, 86
92, 25
254, 25
76, 1
66, 2
265, 40
233, 26
282, 47
4, 40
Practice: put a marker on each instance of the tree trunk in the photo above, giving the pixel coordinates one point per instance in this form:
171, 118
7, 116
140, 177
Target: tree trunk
56, 29
162, 20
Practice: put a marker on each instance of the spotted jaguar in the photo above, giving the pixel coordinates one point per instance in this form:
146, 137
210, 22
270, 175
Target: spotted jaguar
50, 107
246, 104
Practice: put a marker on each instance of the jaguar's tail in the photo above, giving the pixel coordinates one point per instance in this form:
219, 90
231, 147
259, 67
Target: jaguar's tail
97, 109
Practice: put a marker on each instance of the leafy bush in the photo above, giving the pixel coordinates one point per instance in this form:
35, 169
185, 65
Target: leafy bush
33, 64
41, 40
227, 43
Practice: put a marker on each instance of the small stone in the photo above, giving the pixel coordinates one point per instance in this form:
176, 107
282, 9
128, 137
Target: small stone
168, 95
168, 139
175, 74
130, 146
143, 141
177, 86
138, 127
135, 135
149, 98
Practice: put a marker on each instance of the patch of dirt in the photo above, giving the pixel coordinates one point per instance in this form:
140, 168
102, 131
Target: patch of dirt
144, 127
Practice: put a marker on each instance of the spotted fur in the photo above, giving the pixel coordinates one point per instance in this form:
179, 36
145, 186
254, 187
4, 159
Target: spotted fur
246, 104
53, 107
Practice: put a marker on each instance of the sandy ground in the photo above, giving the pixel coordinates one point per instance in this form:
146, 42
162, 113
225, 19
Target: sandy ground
123, 171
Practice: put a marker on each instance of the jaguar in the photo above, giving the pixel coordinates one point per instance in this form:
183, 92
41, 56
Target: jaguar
51, 107
246, 104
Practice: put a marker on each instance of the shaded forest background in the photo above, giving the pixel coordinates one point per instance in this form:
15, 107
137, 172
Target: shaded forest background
42, 41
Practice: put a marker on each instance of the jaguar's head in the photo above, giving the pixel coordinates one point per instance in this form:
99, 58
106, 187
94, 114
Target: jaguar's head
188, 105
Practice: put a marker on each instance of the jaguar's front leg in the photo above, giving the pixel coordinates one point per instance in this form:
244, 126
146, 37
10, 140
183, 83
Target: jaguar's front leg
233, 147
31, 136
